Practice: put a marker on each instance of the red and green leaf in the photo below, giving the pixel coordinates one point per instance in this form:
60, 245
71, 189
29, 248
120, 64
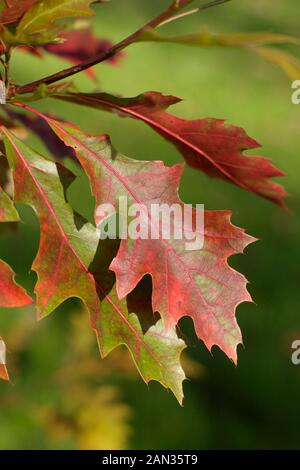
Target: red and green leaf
64, 252
155, 353
62, 265
199, 284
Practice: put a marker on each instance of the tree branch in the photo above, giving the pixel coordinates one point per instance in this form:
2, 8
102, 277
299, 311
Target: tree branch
175, 6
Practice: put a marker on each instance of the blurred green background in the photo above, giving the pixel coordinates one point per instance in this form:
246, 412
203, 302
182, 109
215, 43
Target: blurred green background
63, 396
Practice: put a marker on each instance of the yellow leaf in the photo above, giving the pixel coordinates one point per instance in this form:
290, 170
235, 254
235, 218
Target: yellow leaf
287, 62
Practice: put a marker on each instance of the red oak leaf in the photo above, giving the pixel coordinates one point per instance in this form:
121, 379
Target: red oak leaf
67, 252
63, 256
209, 145
79, 45
14, 10
199, 283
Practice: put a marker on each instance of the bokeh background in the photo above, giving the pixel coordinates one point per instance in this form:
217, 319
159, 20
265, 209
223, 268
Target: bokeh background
62, 395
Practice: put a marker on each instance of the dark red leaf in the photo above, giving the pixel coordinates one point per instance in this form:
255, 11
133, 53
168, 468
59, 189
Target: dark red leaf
210, 145
38, 125
79, 45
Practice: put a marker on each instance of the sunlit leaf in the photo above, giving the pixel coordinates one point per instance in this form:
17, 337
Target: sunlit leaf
195, 283
42, 16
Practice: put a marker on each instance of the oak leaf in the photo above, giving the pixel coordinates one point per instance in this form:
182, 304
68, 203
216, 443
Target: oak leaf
209, 145
43, 14
62, 265
199, 284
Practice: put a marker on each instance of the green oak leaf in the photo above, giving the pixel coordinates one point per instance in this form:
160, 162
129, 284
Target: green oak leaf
155, 353
38, 25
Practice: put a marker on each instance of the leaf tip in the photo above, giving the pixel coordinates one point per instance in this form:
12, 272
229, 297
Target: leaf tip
4, 373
